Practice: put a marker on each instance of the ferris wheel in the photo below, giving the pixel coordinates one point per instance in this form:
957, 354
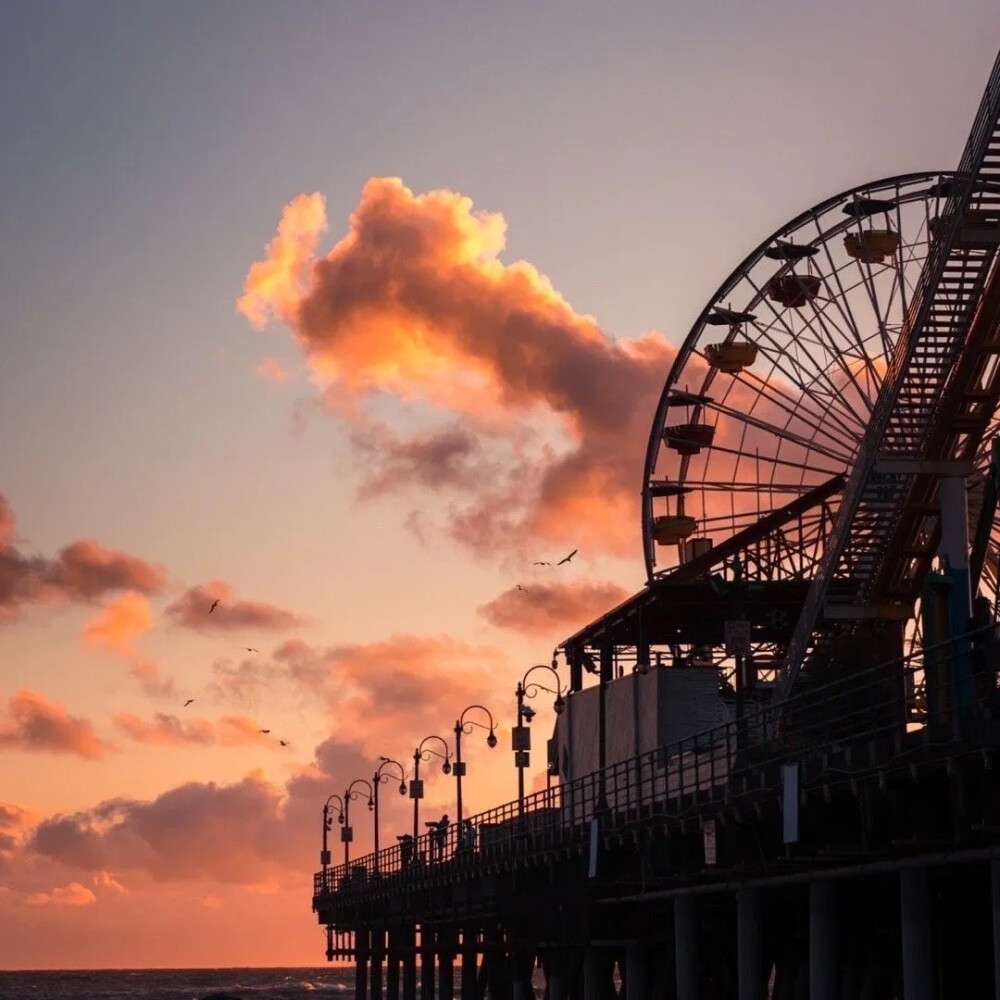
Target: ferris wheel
762, 427
767, 403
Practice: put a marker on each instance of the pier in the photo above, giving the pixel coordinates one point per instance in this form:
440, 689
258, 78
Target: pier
773, 771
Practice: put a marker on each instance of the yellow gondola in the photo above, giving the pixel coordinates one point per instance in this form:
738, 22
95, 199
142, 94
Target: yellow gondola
731, 357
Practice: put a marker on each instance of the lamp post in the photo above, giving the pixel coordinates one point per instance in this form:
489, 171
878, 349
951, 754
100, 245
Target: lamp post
347, 834
460, 727
521, 734
324, 855
379, 778
416, 785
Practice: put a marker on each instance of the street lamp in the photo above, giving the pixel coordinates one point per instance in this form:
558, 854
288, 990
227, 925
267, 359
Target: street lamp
416, 785
460, 727
521, 734
324, 855
379, 778
347, 834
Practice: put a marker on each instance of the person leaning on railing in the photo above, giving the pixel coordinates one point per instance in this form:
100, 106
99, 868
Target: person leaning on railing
467, 837
406, 849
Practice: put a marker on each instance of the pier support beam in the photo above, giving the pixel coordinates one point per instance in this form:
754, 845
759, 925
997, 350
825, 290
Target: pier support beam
494, 960
470, 963
377, 953
392, 967
361, 952
410, 964
636, 972
914, 914
824, 968
749, 951
686, 946
593, 966
426, 962
446, 970
555, 974
995, 887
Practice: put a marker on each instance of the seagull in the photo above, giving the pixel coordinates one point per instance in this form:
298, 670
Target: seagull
250, 649
519, 587
188, 702
541, 564
214, 603
263, 730
566, 559
283, 743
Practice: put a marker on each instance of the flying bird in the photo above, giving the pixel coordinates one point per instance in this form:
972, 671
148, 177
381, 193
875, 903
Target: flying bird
519, 587
263, 730
188, 702
541, 564
214, 604
283, 743
250, 649
566, 559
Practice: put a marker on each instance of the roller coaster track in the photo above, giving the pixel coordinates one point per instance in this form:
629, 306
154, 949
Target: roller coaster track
931, 378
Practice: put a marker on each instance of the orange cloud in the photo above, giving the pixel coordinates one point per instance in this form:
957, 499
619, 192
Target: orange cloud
193, 610
120, 622
6, 523
81, 572
414, 302
276, 282
402, 687
15, 821
105, 880
539, 609
170, 731
34, 724
150, 678
271, 368
73, 894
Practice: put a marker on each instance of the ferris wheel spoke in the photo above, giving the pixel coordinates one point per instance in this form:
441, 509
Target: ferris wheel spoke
818, 370
748, 420
787, 463
795, 408
843, 300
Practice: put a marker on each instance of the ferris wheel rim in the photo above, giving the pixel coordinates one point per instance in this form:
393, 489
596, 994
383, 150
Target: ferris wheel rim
738, 274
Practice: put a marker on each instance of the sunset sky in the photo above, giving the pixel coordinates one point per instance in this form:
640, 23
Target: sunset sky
344, 314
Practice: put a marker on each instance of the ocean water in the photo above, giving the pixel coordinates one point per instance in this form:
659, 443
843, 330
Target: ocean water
179, 984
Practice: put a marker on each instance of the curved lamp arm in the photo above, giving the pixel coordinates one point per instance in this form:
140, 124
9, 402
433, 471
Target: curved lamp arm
380, 777
421, 752
464, 725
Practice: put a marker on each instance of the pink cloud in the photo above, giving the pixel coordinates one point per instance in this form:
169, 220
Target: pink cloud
82, 572
120, 622
549, 608
170, 731
153, 683
34, 724
105, 880
193, 609
381, 691
271, 368
73, 894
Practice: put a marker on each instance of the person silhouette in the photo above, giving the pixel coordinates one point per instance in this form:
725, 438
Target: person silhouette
405, 850
468, 841
439, 835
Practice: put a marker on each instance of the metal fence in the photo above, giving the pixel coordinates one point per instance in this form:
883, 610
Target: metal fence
941, 699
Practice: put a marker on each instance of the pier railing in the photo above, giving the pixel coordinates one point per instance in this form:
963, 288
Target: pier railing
938, 701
